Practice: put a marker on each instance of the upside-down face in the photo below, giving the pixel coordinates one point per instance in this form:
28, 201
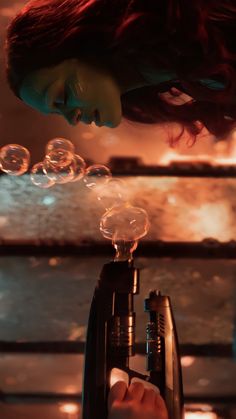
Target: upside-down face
75, 90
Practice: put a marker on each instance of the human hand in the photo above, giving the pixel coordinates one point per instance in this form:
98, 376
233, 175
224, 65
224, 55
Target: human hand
135, 402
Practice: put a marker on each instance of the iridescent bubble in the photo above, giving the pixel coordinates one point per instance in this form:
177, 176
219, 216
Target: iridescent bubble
61, 144
96, 175
14, 159
59, 157
39, 177
124, 223
59, 174
114, 193
79, 166
124, 249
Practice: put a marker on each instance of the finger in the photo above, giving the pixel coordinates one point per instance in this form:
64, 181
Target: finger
147, 384
135, 392
149, 397
117, 392
175, 92
161, 407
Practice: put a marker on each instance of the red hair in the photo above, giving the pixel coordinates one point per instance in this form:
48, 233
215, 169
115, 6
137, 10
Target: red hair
194, 39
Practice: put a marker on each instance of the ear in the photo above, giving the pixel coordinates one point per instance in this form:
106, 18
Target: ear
175, 97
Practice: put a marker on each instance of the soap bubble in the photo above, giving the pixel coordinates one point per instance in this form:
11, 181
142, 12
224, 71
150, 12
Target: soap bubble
39, 177
124, 249
59, 174
124, 223
59, 157
114, 193
61, 144
96, 175
79, 166
14, 159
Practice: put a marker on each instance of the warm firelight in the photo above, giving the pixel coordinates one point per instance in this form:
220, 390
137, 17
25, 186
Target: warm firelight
187, 361
213, 219
200, 415
69, 408
221, 153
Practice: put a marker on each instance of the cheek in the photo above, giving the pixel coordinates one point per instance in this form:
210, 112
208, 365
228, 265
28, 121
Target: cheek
109, 94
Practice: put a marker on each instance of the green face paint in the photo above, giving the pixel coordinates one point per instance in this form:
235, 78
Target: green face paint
74, 90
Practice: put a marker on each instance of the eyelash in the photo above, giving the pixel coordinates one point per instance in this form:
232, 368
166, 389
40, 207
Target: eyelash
64, 103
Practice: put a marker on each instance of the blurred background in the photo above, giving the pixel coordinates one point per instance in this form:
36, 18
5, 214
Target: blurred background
52, 252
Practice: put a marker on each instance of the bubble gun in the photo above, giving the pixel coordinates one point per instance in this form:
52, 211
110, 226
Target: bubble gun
110, 341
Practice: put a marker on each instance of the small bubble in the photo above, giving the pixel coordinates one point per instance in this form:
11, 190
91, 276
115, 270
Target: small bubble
124, 223
96, 176
114, 193
14, 159
59, 157
39, 177
79, 166
61, 144
59, 174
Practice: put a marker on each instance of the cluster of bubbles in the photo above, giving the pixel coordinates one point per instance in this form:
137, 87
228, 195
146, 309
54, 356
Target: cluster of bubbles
121, 223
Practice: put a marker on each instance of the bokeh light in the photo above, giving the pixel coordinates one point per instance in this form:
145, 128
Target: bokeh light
187, 361
200, 415
69, 408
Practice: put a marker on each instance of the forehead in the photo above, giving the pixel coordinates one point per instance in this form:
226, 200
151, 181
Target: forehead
34, 87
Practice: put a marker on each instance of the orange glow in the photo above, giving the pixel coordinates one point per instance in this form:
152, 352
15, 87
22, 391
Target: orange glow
200, 415
187, 361
220, 157
69, 408
213, 219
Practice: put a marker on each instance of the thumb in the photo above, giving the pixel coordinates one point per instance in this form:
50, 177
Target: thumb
117, 393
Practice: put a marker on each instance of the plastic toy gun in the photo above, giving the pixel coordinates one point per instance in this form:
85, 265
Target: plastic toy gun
111, 341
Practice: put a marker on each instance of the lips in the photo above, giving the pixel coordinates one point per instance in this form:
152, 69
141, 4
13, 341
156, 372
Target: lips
97, 117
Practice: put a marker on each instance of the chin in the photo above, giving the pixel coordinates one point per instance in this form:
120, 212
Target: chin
114, 124
111, 125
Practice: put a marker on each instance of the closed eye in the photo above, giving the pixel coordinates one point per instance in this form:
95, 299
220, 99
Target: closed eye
61, 102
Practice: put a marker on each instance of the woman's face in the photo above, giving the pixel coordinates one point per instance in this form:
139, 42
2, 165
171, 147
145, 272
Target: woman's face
74, 90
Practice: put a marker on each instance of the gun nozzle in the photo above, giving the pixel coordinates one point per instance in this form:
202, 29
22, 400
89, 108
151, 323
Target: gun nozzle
153, 293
